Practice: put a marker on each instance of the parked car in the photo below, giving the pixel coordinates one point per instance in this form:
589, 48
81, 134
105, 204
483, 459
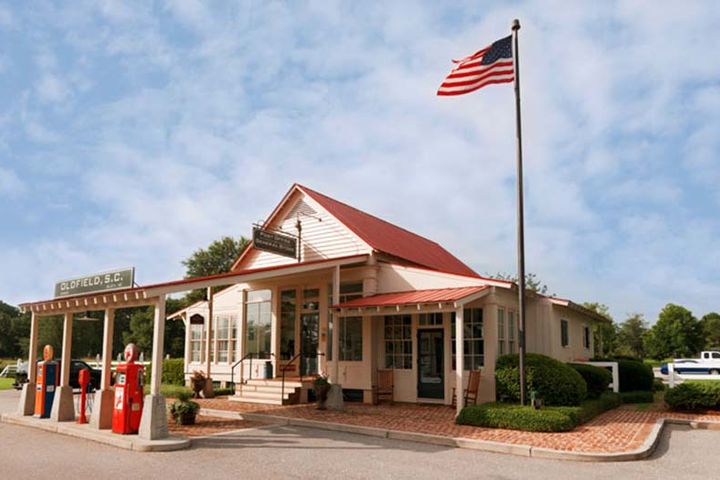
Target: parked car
707, 364
76, 365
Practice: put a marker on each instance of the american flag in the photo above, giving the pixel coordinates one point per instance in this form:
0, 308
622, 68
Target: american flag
492, 64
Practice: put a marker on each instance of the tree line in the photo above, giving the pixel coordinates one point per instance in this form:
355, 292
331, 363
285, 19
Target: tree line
131, 324
677, 333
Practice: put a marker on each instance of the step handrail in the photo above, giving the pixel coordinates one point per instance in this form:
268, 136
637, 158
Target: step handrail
300, 355
232, 370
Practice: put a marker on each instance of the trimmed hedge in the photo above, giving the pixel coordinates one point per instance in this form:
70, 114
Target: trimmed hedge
635, 375
640, 396
597, 379
555, 382
694, 395
547, 419
173, 372
658, 385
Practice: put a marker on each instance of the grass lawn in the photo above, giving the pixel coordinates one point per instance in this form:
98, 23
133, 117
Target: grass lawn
6, 383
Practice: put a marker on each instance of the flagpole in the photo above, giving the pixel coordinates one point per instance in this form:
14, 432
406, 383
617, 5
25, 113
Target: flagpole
520, 217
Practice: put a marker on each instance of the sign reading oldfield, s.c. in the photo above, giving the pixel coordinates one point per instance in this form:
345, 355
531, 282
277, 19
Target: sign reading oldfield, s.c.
99, 282
274, 242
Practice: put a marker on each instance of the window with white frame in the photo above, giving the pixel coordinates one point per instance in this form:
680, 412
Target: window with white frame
511, 331
474, 344
430, 320
398, 342
501, 330
348, 291
586, 337
564, 333
351, 344
223, 334
257, 337
196, 338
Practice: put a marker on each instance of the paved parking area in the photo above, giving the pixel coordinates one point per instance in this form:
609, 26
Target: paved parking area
298, 453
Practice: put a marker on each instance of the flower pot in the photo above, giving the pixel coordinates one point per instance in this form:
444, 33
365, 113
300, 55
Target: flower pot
321, 391
186, 418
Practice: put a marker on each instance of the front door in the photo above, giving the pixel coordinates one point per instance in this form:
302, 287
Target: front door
309, 341
431, 368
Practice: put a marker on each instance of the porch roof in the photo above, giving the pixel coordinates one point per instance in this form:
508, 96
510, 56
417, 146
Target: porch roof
417, 297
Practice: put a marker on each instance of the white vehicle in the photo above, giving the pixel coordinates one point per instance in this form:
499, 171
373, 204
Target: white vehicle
707, 364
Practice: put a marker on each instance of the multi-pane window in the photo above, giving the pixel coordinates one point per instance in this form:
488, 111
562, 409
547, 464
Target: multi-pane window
586, 337
351, 345
258, 323
473, 344
287, 324
348, 291
564, 333
196, 338
501, 331
223, 324
430, 319
398, 342
511, 331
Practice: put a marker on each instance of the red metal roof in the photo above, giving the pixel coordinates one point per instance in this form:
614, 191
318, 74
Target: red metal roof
388, 238
413, 297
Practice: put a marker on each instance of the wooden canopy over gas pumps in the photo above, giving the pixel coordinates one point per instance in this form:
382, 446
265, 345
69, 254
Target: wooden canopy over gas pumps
154, 419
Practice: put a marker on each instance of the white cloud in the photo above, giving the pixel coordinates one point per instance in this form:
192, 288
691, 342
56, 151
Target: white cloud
10, 184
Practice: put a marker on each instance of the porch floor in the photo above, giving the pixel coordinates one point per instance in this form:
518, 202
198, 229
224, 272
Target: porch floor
621, 430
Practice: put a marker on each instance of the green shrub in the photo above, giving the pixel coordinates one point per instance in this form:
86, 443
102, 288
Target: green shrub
658, 385
547, 419
640, 396
555, 382
224, 391
174, 371
694, 395
597, 379
635, 375
516, 417
170, 391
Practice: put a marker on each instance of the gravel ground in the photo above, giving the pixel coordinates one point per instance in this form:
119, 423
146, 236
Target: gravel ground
291, 452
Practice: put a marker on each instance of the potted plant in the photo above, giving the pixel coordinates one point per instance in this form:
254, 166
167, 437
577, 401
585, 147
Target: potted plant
322, 387
183, 410
197, 382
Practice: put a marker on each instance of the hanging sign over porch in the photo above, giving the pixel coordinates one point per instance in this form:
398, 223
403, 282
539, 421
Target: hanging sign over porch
278, 243
99, 282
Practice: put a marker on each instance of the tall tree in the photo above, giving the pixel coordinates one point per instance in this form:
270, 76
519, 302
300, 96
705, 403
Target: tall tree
604, 334
631, 336
711, 330
677, 333
217, 258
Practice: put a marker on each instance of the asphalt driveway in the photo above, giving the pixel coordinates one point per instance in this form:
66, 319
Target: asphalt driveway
293, 452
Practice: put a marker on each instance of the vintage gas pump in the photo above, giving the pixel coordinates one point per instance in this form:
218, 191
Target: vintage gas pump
45, 384
84, 381
128, 404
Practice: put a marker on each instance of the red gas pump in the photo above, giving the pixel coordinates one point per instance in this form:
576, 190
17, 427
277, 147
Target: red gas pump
128, 405
83, 380
45, 383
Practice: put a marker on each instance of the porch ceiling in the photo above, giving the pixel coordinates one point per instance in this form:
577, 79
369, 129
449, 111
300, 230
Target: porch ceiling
438, 299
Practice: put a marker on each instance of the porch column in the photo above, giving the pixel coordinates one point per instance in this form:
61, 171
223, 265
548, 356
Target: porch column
63, 408
153, 423
209, 352
459, 359
101, 417
188, 345
335, 396
27, 397
242, 328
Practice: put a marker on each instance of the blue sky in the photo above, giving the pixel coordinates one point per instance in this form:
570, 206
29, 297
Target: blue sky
132, 133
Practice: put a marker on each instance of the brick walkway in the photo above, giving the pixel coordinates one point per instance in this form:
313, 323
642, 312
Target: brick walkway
620, 430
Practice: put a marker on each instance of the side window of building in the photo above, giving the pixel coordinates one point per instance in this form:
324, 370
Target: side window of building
398, 342
351, 346
348, 292
501, 331
511, 331
564, 333
586, 337
474, 344
196, 337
